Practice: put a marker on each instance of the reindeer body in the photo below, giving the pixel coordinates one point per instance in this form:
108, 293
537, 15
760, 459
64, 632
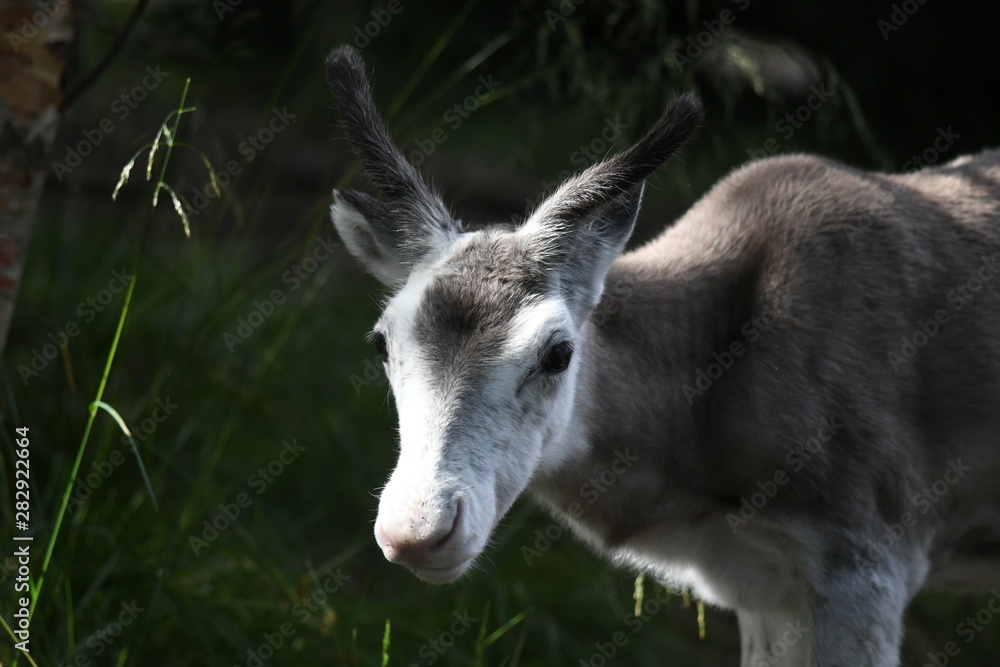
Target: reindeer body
814, 273
786, 402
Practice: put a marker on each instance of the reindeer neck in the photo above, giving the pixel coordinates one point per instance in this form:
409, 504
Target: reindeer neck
642, 421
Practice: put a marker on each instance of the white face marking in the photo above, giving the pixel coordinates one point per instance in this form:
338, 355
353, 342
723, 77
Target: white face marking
470, 442
532, 326
401, 310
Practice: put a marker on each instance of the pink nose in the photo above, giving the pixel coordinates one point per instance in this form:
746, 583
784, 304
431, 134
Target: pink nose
416, 541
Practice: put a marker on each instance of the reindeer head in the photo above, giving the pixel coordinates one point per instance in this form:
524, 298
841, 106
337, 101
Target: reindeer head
481, 339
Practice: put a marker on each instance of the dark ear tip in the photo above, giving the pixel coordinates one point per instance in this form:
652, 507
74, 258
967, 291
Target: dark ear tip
688, 105
352, 197
344, 61
367, 205
680, 120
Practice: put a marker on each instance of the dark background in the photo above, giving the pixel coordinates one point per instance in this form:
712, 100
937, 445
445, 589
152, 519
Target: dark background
306, 374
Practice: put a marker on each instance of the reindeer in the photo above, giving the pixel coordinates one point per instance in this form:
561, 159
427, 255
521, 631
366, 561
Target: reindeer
788, 402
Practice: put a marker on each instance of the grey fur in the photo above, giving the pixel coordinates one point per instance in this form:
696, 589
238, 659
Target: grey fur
821, 275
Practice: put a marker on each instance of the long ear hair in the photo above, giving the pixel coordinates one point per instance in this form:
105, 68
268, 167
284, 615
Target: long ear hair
578, 197
418, 214
583, 226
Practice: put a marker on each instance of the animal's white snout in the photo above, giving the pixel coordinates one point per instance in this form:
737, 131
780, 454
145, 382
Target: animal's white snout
409, 539
433, 542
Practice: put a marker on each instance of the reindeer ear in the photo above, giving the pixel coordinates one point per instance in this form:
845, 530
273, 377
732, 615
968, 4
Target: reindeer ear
585, 224
582, 259
597, 247
390, 238
365, 225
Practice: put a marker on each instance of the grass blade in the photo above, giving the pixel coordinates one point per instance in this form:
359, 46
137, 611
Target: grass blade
449, 82
61, 514
385, 644
503, 629
135, 448
11, 633
429, 59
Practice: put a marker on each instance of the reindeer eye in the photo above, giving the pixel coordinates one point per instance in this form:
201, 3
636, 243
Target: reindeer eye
557, 358
380, 345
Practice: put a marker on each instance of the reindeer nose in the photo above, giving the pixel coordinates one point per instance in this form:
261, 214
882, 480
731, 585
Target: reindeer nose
417, 541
